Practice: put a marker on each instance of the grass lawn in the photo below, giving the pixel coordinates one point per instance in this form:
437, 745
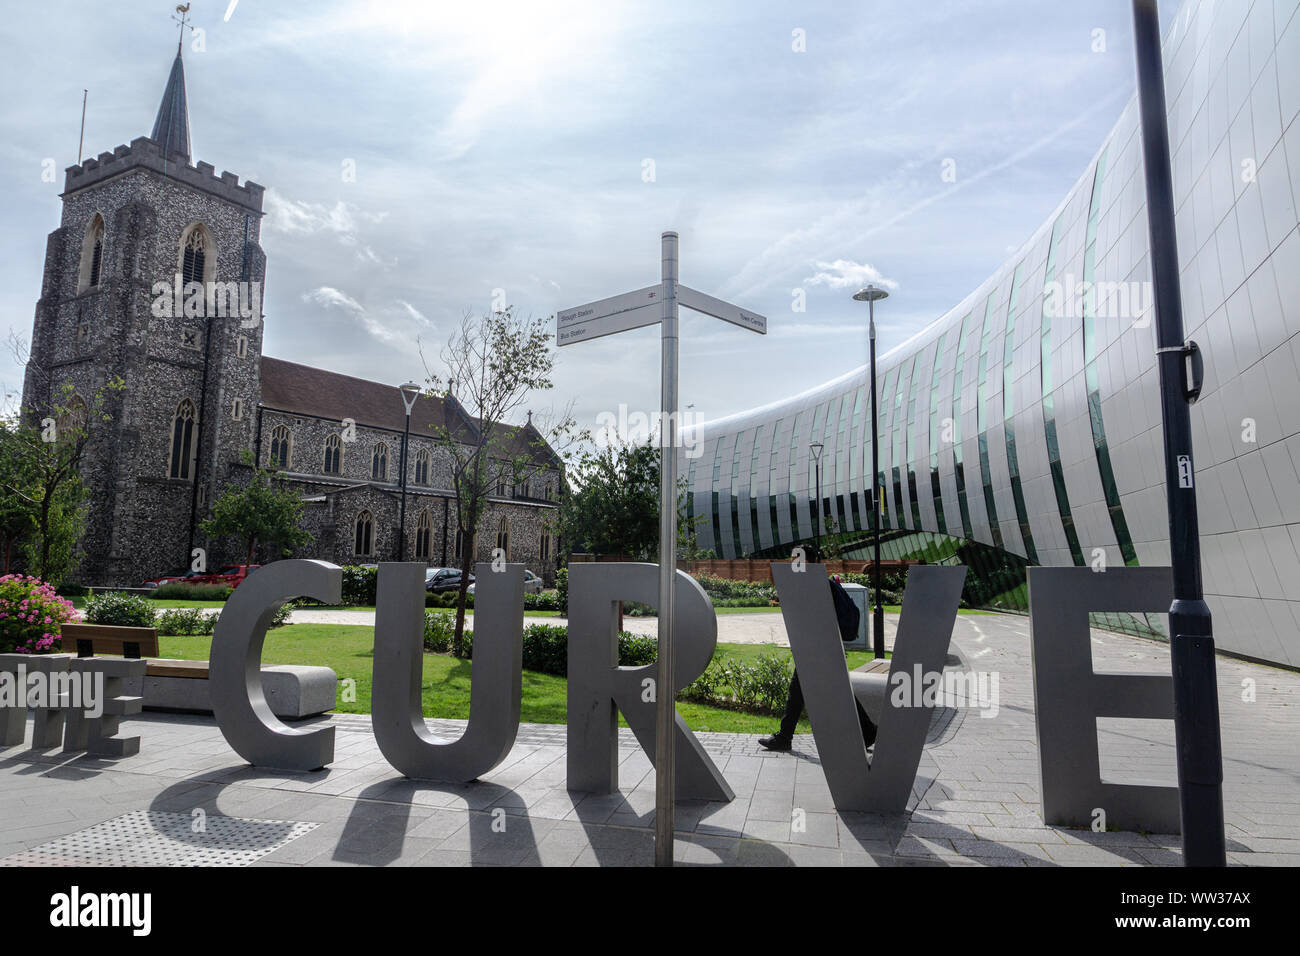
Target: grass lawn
348, 650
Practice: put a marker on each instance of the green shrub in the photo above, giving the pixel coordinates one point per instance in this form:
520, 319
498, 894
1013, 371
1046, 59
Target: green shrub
562, 590
186, 621
635, 650
121, 610
724, 592
762, 686
439, 629
71, 590
282, 614
179, 591
546, 649
359, 585
445, 599
542, 601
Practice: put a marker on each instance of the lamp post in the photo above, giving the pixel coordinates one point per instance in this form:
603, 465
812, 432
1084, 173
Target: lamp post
816, 449
1191, 642
869, 295
410, 392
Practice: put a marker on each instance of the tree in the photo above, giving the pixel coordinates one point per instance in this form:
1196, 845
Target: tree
40, 476
614, 507
492, 365
264, 510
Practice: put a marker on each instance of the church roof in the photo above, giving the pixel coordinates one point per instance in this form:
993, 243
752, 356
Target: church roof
314, 391
171, 129
290, 387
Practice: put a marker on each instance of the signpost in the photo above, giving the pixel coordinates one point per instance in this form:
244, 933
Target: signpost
632, 310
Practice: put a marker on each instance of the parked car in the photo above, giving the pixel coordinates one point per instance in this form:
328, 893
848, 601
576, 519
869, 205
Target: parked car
189, 577
231, 574
444, 579
532, 583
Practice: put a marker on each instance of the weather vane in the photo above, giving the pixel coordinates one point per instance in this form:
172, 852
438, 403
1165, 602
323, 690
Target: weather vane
183, 9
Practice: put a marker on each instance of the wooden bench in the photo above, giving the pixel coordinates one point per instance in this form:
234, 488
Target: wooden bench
293, 691
86, 640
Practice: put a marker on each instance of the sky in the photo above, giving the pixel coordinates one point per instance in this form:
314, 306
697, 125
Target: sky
428, 160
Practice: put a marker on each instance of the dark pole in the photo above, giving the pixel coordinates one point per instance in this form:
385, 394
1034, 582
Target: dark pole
1196, 702
817, 463
878, 613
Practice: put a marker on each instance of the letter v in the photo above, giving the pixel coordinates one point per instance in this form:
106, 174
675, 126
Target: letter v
924, 629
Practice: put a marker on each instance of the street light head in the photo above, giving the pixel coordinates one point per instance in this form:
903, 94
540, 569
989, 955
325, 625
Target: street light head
870, 294
410, 392
816, 449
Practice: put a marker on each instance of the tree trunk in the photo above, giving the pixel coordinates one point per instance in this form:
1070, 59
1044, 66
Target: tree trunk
466, 564
252, 546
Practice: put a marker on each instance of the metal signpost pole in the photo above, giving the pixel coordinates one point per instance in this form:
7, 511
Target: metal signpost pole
664, 709
1191, 644
619, 313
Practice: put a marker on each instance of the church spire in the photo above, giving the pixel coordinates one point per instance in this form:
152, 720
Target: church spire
171, 130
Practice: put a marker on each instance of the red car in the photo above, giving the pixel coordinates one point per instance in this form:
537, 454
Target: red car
231, 574
189, 577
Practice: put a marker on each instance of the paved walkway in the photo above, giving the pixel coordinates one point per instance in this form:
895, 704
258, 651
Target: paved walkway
187, 798
759, 627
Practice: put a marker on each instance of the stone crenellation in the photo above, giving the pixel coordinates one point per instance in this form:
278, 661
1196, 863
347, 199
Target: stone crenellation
144, 152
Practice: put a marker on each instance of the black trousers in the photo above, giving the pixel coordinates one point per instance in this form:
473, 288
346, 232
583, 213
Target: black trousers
794, 710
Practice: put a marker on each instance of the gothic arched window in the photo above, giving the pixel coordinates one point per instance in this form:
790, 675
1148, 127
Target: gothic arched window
333, 455
422, 464
364, 538
503, 537
182, 450
196, 251
379, 462
424, 536
92, 255
460, 543
281, 443
544, 547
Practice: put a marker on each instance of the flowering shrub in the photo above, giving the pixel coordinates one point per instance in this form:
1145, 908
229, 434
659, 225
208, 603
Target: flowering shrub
31, 614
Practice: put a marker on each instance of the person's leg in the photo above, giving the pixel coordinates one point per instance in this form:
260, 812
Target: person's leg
867, 724
793, 711
793, 708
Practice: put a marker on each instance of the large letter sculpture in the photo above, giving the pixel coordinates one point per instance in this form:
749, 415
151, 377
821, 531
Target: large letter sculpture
1069, 696
856, 782
495, 684
599, 689
235, 666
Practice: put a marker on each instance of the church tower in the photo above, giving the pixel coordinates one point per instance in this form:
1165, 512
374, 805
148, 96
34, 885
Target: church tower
154, 277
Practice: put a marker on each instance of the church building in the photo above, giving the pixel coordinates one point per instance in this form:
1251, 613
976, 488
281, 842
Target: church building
199, 394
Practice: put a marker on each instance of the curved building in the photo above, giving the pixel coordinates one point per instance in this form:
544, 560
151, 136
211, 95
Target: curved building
1023, 426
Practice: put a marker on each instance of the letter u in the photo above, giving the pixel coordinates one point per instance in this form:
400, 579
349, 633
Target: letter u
495, 687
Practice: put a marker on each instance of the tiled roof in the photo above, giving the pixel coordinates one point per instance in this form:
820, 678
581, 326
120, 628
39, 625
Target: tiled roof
291, 387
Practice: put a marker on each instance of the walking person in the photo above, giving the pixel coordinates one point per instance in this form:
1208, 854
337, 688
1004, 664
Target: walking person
848, 617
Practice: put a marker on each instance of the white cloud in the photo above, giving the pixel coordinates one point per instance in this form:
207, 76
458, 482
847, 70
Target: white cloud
414, 313
330, 298
847, 274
